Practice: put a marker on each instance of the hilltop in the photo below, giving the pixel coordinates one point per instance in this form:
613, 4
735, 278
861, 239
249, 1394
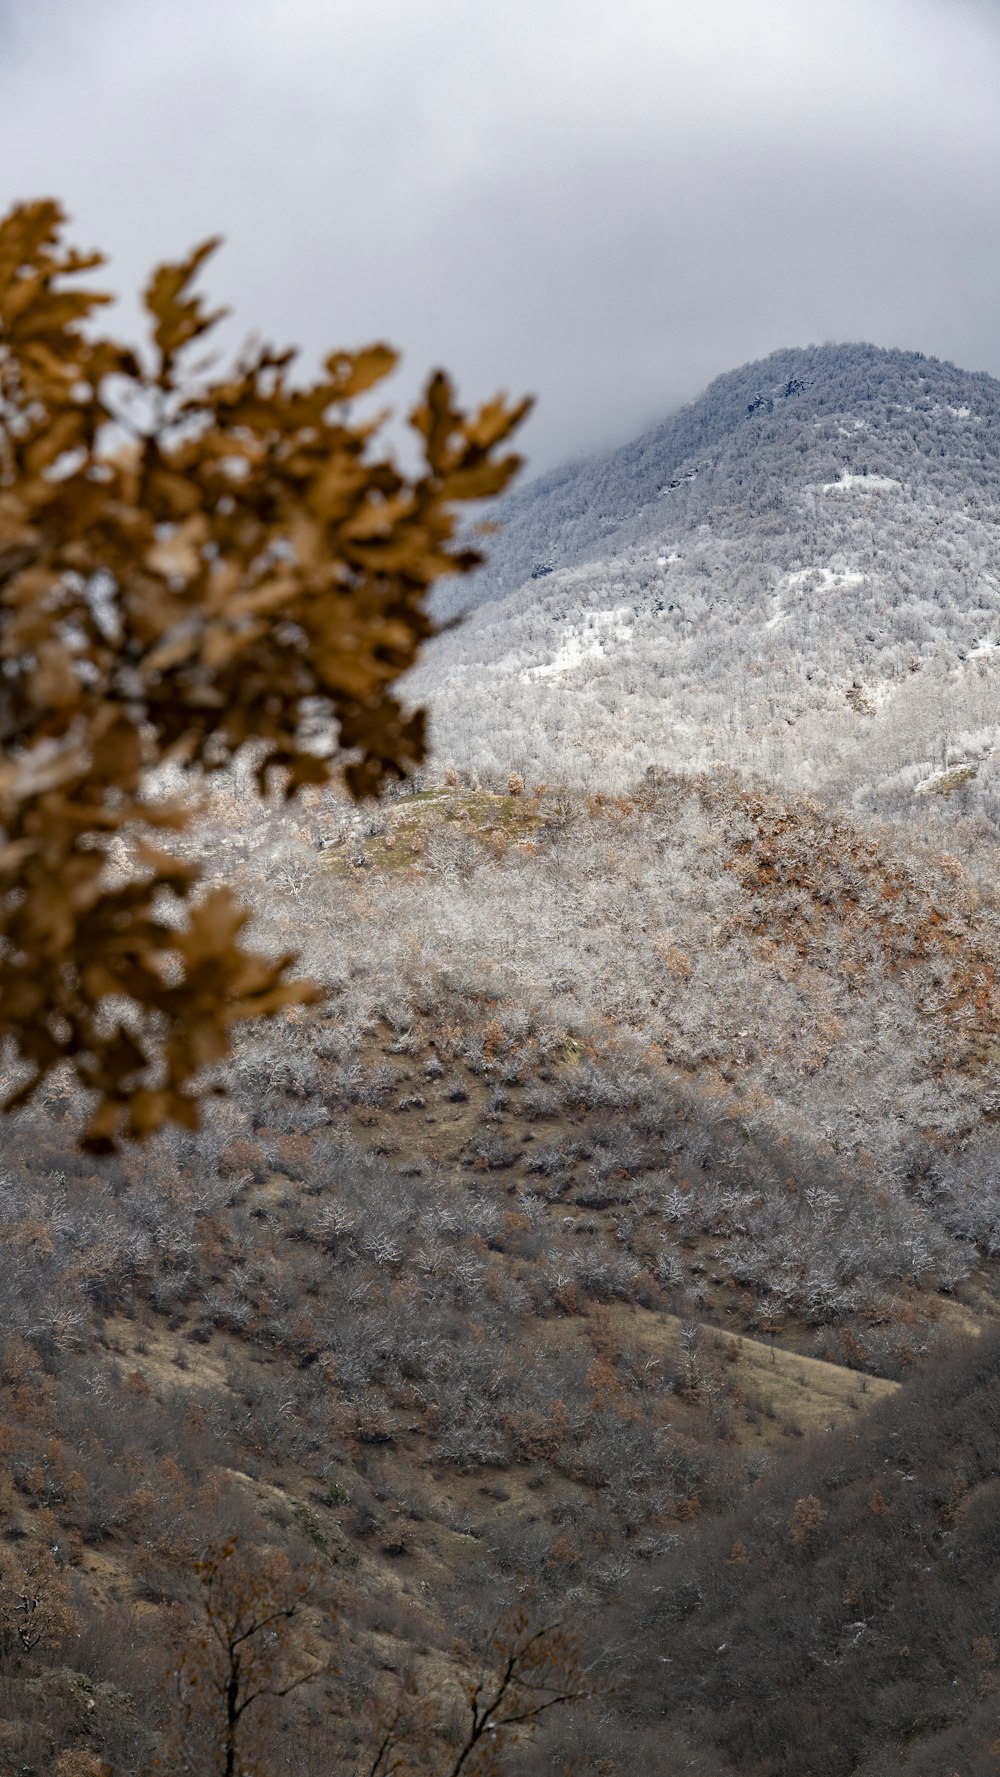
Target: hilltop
798, 575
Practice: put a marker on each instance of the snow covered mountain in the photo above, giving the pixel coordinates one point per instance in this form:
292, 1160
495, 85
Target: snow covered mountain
798, 575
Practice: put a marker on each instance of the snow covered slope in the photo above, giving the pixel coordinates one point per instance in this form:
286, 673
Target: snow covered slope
798, 574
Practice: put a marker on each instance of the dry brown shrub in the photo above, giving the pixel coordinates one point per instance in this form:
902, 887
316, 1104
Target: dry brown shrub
537, 1436
807, 1515
20, 1365
80, 1761
35, 1609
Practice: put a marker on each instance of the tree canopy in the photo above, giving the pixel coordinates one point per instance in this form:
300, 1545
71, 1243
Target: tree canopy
192, 561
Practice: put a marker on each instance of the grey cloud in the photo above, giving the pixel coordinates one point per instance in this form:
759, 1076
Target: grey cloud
607, 204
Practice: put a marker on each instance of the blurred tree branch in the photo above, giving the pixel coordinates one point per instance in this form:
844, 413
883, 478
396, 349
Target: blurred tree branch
188, 564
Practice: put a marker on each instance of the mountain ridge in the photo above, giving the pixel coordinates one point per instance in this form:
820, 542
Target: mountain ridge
660, 460
785, 553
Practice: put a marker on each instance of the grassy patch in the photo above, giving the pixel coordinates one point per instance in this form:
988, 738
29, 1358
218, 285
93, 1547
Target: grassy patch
479, 815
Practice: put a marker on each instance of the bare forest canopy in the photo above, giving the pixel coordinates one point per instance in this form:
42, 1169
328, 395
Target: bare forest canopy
634, 1145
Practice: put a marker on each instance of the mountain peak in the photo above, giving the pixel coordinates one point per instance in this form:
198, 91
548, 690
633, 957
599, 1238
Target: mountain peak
798, 572
883, 396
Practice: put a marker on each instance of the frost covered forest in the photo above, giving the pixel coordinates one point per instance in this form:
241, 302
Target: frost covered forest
615, 1242
797, 576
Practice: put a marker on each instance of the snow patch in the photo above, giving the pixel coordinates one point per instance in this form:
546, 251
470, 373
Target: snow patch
868, 698
585, 641
811, 579
868, 484
822, 578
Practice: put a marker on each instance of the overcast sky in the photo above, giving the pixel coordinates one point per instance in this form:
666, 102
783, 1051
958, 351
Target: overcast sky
607, 204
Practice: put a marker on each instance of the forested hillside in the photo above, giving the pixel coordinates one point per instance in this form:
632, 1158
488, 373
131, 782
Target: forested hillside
610, 1251
633, 1144
797, 575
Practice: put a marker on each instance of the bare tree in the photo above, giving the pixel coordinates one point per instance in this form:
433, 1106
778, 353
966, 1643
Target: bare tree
240, 1658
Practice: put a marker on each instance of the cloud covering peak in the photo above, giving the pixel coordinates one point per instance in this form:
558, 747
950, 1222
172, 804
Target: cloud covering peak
607, 205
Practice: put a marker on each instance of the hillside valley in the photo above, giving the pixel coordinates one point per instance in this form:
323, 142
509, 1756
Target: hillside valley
638, 1155
606, 1263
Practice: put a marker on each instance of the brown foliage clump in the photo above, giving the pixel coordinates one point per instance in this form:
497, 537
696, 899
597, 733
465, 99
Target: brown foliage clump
807, 1516
188, 564
35, 1610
